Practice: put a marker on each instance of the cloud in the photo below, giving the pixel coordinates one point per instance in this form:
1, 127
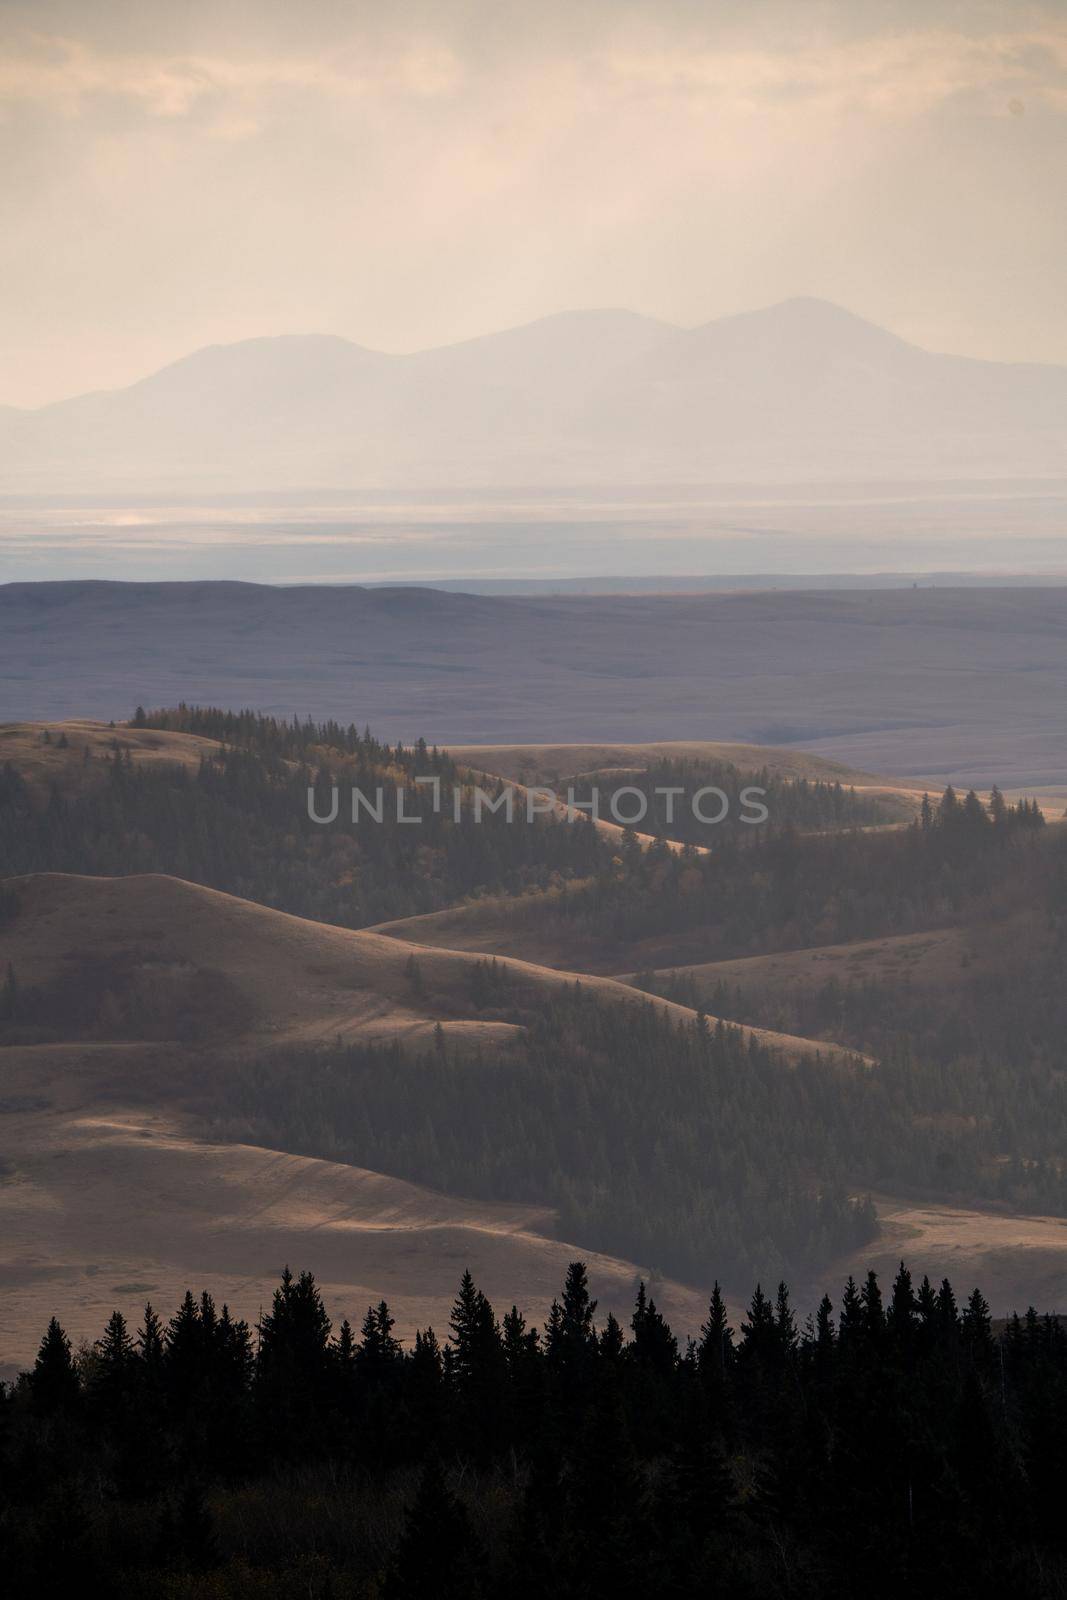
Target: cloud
892, 74
889, 73
68, 76
420, 171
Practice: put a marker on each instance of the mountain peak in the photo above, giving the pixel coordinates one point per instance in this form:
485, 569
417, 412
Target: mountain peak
799, 391
809, 318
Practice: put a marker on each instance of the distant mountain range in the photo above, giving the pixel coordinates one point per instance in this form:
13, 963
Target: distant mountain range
800, 392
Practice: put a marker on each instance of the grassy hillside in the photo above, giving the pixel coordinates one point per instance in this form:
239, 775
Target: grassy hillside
644, 1133
163, 1040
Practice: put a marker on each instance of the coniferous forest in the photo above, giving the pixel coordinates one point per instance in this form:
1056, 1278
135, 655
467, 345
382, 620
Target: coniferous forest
897, 1442
241, 822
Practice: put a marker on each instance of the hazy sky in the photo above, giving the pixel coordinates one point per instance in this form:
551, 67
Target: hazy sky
175, 173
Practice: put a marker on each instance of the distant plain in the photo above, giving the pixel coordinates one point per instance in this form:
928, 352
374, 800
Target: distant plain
967, 685
684, 537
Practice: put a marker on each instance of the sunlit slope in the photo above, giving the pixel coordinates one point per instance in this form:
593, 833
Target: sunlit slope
73, 753
539, 763
106, 1207
285, 978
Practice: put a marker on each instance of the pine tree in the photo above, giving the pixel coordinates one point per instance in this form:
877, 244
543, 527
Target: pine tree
785, 1325
948, 1321
715, 1349
949, 807
976, 1327
611, 1342
426, 1388
900, 1319
184, 1357
825, 1336
293, 1365
378, 1352
114, 1364
233, 1361
294, 1335
759, 1336
150, 1342
973, 812
479, 1368
851, 1323
344, 1350
654, 1346
54, 1379
871, 1302
571, 1341
466, 1323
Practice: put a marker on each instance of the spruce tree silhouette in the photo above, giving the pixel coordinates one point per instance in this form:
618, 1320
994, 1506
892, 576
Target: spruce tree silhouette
54, 1379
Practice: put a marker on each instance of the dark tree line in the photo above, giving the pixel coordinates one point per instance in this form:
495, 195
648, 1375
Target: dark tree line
772, 888
807, 804
897, 1443
241, 824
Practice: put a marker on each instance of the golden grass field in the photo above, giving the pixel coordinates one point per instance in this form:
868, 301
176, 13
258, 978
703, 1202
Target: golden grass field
40, 764
106, 1205
1015, 1260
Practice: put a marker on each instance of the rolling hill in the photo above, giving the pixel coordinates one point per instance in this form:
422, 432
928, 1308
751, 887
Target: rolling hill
115, 1188
803, 391
107, 1205
286, 979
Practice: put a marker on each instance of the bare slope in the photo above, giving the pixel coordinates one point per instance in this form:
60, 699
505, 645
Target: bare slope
103, 1206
